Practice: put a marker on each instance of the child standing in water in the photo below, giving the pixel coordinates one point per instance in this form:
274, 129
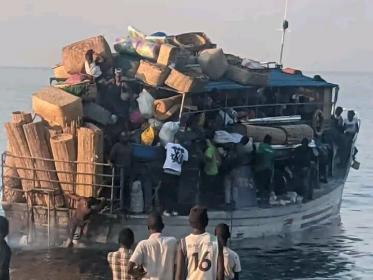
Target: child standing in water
232, 265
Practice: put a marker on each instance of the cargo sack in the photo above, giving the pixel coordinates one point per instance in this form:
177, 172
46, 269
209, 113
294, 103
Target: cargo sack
148, 50
194, 41
148, 136
296, 133
73, 56
259, 132
213, 63
152, 73
167, 107
60, 72
168, 132
167, 54
57, 107
188, 81
246, 76
125, 46
135, 34
146, 104
137, 198
98, 114
127, 63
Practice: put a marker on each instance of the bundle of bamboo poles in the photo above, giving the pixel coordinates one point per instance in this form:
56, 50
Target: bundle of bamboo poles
38, 143
18, 147
12, 183
90, 152
64, 154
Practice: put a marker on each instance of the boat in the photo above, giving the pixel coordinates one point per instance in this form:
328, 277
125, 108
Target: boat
30, 221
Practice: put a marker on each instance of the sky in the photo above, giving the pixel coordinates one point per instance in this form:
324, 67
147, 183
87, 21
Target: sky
325, 35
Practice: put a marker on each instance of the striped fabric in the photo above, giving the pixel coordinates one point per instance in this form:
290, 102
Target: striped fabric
118, 262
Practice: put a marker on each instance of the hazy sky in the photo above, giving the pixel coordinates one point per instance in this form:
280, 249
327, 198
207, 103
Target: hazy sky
325, 34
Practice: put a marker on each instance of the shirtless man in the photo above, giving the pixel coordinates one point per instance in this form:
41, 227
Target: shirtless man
86, 207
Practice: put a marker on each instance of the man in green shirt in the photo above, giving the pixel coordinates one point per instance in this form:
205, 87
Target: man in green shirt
264, 163
212, 162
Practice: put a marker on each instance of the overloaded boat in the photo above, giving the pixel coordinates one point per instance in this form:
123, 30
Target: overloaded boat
186, 88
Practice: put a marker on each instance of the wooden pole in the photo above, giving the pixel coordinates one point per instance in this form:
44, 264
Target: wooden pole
64, 154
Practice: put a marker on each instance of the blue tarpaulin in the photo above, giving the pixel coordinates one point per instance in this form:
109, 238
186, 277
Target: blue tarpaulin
277, 78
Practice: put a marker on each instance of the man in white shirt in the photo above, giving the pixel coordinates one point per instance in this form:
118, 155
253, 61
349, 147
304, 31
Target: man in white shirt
90, 66
200, 254
232, 264
156, 254
175, 156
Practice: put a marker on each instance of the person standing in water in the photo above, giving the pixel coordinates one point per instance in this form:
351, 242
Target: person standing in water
5, 252
156, 254
232, 264
200, 254
86, 207
119, 260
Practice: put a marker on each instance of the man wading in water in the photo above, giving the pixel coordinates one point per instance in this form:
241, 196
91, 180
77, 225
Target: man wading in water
86, 207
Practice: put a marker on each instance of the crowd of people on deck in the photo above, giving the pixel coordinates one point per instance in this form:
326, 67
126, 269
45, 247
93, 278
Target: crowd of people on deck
199, 255
236, 174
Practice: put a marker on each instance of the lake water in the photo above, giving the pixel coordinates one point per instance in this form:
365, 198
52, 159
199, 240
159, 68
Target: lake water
339, 251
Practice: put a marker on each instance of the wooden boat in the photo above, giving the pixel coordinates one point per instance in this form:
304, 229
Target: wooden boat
250, 222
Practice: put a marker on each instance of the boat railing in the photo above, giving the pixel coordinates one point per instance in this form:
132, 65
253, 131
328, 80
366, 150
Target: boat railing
257, 107
105, 177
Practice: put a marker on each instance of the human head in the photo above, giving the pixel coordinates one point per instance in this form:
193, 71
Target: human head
305, 142
126, 238
244, 140
267, 139
89, 56
222, 232
4, 227
155, 222
338, 111
350, 115
198, 218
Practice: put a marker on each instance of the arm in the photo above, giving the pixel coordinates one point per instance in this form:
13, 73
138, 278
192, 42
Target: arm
220, 275
135, 268
180, 264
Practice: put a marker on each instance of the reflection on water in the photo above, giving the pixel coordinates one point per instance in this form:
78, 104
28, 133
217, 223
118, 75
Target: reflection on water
339, 251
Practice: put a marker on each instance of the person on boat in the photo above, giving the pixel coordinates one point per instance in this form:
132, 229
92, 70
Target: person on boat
5, 252
232, 264
156, 254
121, 158
93, 70
119, 97
212, 162
85, 209
172, 167
351, 127
91, 65
338, 119
200, 254
264, 165
119, 260
304, 164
